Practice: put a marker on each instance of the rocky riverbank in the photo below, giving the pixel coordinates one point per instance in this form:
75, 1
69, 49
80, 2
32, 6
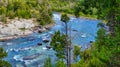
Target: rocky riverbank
20, 28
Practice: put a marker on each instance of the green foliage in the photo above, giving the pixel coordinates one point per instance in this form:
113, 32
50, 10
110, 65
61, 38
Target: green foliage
64, 17
45, 15
3, 19
28, 9
103, 53
58, 43
3, 53
10, 14
60, 63
48, 62
62, 5
101, 35
3, 63
78, 8
76, 51
82, 7
103, 9
2, 10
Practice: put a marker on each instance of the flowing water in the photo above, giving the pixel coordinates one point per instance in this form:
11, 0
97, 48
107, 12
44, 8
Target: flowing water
24, 51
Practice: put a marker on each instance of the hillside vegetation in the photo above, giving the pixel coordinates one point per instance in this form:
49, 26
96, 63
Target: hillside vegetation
9, 9
104, 52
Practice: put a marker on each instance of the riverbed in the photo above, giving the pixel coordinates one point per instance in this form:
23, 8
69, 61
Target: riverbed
24, 51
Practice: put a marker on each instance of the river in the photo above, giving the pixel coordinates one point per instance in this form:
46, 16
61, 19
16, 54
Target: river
24, 51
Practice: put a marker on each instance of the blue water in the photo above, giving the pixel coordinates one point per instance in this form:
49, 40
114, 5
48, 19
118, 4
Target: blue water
82, 32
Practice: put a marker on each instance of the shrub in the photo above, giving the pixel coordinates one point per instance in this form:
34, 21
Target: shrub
3, 19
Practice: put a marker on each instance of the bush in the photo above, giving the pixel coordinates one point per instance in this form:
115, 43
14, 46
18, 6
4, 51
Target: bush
10, 14
2, 10
81, 14
27, 9
3, 19
60, 63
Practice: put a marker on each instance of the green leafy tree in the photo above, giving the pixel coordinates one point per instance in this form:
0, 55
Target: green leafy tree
60, 63
3, 19
2, 10
64, 17
58, 44
26, 9
3, 63
78, 7
101, 36
48, 62
76, 51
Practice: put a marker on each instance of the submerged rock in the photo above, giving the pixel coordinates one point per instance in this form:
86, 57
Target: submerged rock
48, 47
40, 30
75, 30
91, 41
83, 35
45, 40
31, 57
39, 44
2, 40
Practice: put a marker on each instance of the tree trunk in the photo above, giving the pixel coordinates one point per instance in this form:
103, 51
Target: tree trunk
67, 53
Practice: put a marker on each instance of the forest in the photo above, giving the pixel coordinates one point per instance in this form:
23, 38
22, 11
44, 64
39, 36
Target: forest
104, 52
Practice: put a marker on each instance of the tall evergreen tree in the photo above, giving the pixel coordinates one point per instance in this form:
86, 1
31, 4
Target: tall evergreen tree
65, 19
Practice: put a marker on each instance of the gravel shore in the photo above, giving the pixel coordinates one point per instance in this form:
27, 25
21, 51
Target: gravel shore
19, 28
16, 28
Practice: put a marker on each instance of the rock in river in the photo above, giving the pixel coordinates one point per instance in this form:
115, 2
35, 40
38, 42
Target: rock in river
31, 57
48, 47
46, 40
39, 44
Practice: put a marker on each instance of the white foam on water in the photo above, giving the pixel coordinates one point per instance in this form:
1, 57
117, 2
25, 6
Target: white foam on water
27, 48
18, 58
44, 48
83, 35
56, 16
11, 49
40, 65
19, 65
27, 62
9, 44
15, 50
7, 50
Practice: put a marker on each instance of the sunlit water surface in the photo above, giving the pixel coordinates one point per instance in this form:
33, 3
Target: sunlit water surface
82, 32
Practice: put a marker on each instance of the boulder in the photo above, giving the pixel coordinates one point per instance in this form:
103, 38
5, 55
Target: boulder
31, 57
39, 31
75, 30
91, 41
39, 44
45, 40
48, 47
